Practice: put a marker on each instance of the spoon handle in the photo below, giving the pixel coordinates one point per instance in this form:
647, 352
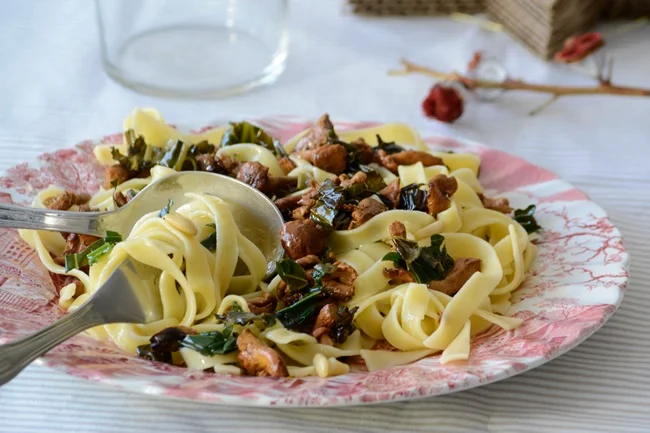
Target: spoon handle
15, 356
20, 217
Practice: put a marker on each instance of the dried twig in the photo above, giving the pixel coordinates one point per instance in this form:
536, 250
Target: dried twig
605, 88
543, 106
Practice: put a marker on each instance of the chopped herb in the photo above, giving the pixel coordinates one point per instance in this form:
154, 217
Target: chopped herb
91, 254
244, 132
385, 200
330, 194
200, 148
374, 181
236, 307
79, 260
526, 219
171, 157
323, 215
242, 318
330, 211
300, 311
372, 185
210, 242
212, 343
112, 237
95, 255
388, 147
411, 197
145, 351
165, 210
425, 264
140, 156
344, 326
394, 256
293, 274
320, 270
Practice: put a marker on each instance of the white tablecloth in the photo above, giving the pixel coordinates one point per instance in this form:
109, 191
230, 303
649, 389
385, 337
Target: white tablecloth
54, 93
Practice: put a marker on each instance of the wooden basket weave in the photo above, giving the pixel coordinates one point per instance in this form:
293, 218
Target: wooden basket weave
544, 25
416, 7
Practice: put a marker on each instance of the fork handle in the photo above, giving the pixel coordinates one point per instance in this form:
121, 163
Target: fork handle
21, 217
15, 356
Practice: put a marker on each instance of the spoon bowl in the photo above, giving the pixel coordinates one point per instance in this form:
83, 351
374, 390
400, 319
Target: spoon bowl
257, 217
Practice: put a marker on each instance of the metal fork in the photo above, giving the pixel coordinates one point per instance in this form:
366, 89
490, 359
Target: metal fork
124, 298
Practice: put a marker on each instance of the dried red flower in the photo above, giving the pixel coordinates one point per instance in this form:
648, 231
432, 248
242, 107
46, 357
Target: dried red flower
443, 103
577, 48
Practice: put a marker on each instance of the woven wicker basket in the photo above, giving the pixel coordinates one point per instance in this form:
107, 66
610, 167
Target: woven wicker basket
544, 25
416, 7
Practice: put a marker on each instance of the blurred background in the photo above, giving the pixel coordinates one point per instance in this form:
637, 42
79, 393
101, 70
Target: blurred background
54, 90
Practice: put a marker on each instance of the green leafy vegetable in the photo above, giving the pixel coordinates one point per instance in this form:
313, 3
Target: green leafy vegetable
140, 156
240, 317
425, 264
374, 181
300, 311
165, 210
388, 147
372, 185
200, 148
210, 242
112, 237
394, 256
145, 351
526, 219
244, 132
79, 260
323, 215
329, 198
236, 307
91, 254
330, 210
213, 342
293, 274
171, 157
344, 326
320, 270
411, 197
96, 254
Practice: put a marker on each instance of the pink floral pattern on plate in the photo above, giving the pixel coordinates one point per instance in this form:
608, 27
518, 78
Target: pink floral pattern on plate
574, 286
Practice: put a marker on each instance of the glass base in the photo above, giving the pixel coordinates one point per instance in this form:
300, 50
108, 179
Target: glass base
193, 61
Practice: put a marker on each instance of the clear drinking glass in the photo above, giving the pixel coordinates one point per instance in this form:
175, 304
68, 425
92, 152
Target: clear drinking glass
193, 48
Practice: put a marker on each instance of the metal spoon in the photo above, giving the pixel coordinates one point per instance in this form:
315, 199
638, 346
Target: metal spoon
124, 298
256, 216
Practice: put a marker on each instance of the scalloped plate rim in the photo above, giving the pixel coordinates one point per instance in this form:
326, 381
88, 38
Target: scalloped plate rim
408, 393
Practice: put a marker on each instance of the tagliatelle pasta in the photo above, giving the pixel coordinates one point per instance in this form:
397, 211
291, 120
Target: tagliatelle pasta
394, 257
